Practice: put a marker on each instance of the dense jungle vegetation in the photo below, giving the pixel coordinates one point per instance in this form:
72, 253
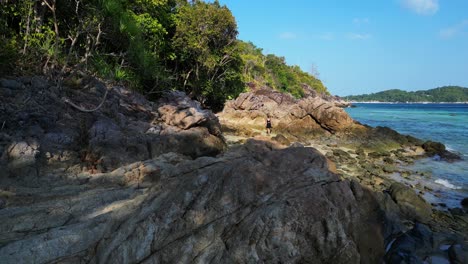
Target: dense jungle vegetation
150, 45
442, 94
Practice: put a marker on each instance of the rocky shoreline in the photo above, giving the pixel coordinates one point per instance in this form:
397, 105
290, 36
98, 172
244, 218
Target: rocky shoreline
377, 158
134, 181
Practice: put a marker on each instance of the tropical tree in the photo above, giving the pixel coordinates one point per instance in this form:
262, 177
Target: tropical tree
207, 62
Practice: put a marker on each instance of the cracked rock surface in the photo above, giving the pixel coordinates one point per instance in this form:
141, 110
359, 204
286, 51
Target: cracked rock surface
257, 203
152, 182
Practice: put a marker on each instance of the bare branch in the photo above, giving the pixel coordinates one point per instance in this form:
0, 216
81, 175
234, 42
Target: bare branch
68, 101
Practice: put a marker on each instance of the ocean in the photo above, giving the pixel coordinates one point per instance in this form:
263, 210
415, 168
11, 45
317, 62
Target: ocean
446, 123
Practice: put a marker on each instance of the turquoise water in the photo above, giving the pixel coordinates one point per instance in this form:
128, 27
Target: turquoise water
446, 123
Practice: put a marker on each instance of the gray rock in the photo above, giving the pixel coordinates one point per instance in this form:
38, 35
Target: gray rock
176, 109
22, 154
458, 254
412, 206
11, 84
39, 82
253, 204
105, 131
296, 145
412, 247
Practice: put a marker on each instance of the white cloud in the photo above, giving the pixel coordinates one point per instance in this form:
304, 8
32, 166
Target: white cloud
454, 30
422, 7
358, 36
361, 21
287, 35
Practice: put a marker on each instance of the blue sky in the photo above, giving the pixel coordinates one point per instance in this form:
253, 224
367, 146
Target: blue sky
363, 46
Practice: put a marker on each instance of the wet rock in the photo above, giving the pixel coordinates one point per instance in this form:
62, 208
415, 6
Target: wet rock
436, 148
450, 156
414, 246
411, 205
433, 148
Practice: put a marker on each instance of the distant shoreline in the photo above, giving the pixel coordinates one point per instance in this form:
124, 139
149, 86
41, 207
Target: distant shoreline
379, 102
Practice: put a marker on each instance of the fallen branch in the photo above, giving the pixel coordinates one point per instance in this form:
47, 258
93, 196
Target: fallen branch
68, 101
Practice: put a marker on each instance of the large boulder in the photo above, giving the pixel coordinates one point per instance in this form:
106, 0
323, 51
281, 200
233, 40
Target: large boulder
433, 148
414, 246
177, 109
436, 148
309, 115
412, 206
255, 204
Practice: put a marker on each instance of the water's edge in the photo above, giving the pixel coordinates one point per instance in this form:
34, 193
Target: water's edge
447, 182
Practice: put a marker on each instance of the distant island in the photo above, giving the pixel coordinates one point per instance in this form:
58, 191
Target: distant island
449, 94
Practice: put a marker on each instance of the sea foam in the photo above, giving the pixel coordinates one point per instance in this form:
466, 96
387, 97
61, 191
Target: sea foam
447, 184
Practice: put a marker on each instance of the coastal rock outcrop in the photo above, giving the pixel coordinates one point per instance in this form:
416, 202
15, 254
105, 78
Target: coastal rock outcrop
134, 181
45, 127
436, 148
310, 115
256, 203
411, 205
101, 175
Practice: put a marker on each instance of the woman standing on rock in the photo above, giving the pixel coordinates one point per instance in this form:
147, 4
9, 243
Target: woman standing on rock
268, 125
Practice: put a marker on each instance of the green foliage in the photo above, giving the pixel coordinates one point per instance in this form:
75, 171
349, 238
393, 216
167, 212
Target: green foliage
8, 57
441, 94
207, 61
272, 71
151, 45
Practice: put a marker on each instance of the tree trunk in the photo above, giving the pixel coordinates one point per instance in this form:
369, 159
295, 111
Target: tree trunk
28, 28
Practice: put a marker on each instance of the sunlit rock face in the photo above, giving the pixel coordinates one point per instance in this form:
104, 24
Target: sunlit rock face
309, 115
256, 203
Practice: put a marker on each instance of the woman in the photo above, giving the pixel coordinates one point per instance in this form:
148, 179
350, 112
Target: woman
268, 126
